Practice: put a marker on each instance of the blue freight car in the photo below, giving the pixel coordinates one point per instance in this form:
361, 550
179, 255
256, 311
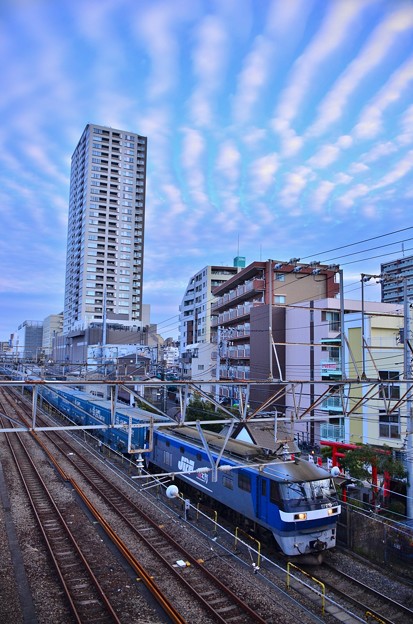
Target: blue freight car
294, 499
85, 409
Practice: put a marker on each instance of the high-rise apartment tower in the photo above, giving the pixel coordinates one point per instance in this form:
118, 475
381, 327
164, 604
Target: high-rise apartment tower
396, 275
104, 263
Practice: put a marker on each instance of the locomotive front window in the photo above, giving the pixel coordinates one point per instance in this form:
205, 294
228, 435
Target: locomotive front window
307, 491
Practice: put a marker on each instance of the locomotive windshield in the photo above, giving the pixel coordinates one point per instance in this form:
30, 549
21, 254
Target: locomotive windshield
320, 491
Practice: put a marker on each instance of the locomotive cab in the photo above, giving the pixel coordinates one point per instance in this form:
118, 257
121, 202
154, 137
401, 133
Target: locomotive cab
307, 494
306, 508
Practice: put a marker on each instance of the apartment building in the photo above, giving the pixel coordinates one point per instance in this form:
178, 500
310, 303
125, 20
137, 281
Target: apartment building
27, 341
379, 358
315, 356
197, 356
397, 279
249, 319
105, 242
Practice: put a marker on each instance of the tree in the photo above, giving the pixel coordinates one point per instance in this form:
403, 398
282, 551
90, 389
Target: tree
359, 461
198, 409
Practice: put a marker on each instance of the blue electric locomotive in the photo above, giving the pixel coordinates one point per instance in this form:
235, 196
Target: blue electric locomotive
294, 499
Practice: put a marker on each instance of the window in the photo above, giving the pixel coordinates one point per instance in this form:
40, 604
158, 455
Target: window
389, 424
279, 299
274, 492
244, 482
228, 482
389, 390
333, 319
280, 277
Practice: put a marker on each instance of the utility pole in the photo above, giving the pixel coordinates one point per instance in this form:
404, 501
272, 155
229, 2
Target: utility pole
270, 297
409, 416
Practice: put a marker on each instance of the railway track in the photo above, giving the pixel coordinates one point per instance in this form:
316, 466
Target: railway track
167, 563
360, 600
363, 597
74, 565
165, 560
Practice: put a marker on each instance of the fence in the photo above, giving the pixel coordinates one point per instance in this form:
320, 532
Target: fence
377, 539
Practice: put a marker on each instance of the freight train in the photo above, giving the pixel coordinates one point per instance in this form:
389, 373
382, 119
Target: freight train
290, 497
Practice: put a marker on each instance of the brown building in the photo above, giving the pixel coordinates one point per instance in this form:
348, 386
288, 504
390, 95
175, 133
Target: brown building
249, 319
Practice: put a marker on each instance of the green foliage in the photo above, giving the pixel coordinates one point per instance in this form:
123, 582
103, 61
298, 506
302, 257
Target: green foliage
357, 462
198, 409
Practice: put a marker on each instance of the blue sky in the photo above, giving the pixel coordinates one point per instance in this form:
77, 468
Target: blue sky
280, 128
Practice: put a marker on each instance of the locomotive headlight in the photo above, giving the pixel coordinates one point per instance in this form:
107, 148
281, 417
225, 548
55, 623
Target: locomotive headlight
332, 511
300, 516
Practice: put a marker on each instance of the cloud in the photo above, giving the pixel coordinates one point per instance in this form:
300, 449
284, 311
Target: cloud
342, 178
406, 136
193, 149
253, 136
370, 123
228, 162
358, 168
295, 183
320, 195
253, 77
334, 30
291, 143
375, 50
156, 27
325, 156
347, 200
378, 151
403, 167
209, 59
262, 173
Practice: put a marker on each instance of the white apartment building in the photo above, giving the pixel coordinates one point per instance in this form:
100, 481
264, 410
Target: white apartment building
105, 243
195, 317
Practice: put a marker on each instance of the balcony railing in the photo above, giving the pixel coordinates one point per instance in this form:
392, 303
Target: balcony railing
235, 313
235, 372
333, 404
334, 433
255, 285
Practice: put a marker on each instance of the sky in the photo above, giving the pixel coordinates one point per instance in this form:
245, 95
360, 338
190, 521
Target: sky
276, 129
